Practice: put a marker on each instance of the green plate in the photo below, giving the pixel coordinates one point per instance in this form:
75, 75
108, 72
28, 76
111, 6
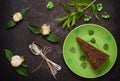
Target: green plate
95, 35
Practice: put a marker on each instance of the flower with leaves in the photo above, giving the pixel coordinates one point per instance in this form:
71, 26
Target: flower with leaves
17, 62
17, 17
45, 31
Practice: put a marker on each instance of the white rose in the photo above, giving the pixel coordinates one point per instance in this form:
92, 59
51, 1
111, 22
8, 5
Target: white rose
17, 17
45, 29
16, 61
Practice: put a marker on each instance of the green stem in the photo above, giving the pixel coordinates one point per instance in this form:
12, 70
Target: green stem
89, 5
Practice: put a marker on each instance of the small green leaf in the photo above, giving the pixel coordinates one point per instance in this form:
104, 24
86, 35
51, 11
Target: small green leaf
87, 18
50, 5
24, 11
105, 15
52, 38
66, 8
61, 19
34, 29
95, 12
8, 54
69, 22
99, 7
65, 24
79, 9
22, 71
73, 20
79, 3
24, 65
79, 15
10, 24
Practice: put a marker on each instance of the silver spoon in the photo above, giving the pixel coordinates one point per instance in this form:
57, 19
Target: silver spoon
37, 50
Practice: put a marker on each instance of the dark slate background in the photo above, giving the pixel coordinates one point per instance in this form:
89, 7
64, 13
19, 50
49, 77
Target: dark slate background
18, 38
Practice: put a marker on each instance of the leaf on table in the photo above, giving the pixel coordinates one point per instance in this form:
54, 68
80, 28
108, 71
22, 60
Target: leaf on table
52, 38
24, 65
94, 12
73, 20
66, 23
34, 29
10, 24
87, 18
61, 19
50, 5
79, 3
79, 15
22, 71
24, 11
69, 21
8, 54
99, 7
105, 15
66, 8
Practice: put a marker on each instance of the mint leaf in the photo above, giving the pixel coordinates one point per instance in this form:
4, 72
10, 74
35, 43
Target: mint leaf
10, 24
34, 29
105, 15
24, 11
22, 71
87, 18
50, 5
99, 7
61, 19
95, 12
66, 8
79, 3
66, 23
8, 54
73, 20
52, 38
24, 65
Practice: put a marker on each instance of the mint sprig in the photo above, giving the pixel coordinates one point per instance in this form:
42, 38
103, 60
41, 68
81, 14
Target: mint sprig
76, 12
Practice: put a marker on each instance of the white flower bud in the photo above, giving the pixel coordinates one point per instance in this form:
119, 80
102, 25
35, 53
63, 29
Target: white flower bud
45, 29
16, 61
17, 17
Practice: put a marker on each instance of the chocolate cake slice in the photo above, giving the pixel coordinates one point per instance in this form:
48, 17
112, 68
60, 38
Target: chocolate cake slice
94, 55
